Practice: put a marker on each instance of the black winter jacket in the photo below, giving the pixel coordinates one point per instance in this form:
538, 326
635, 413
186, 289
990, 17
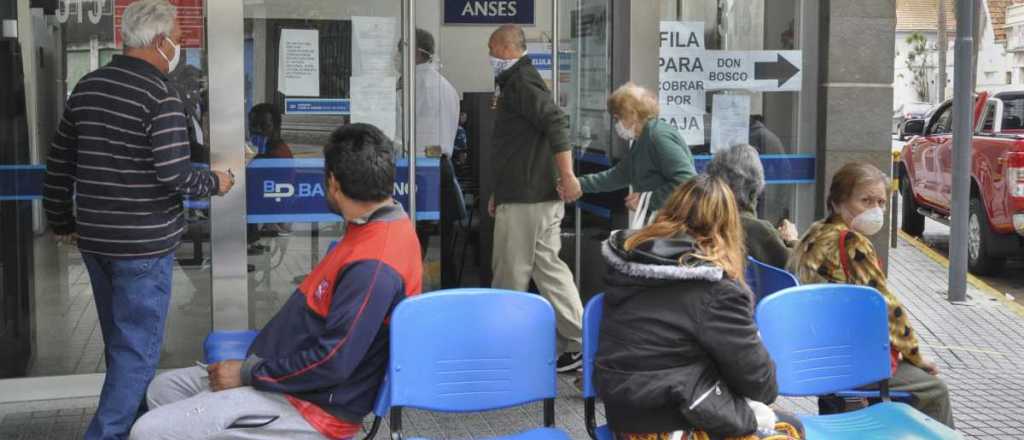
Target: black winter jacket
678, 348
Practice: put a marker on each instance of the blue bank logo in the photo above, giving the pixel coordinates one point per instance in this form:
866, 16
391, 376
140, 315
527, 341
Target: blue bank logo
278, 191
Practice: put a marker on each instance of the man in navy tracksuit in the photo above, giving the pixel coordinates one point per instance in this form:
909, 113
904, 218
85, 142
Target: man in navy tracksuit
316, 368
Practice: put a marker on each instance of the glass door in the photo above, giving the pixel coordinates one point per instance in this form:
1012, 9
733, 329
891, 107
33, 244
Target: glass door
584, 82
310, 67
48, 320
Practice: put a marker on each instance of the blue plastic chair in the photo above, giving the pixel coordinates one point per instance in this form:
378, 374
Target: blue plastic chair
826, 338
591, 332
765, 280
380, 408
468, 350
224, 345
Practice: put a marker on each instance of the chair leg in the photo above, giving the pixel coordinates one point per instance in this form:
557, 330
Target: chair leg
549, 413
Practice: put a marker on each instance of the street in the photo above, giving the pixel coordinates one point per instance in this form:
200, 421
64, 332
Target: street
936, 236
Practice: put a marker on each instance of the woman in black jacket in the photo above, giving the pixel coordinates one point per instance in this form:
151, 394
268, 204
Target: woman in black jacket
679, 352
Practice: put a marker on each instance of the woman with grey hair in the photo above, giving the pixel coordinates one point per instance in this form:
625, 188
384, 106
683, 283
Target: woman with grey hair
740, 167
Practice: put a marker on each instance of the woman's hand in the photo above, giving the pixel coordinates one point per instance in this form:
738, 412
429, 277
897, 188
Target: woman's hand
930, 367
632, 201
787, 230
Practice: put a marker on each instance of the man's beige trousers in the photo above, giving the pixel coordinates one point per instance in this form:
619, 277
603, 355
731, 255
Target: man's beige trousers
527, 237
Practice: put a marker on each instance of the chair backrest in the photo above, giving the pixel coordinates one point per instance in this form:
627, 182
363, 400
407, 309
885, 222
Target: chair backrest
454, 192
768, 279
825, 338
222, 345
383, 402
591, 332
750, 275
472, 350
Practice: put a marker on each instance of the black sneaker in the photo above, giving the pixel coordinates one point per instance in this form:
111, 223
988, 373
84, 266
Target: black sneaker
569, 361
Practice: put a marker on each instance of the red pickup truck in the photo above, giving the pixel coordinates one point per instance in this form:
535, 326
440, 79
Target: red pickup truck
996, 221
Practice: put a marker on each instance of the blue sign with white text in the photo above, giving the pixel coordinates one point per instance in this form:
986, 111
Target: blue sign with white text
292, 190
541, 61
488, 11
317, 106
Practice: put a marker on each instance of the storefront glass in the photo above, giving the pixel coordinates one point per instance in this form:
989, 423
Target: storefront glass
56, 330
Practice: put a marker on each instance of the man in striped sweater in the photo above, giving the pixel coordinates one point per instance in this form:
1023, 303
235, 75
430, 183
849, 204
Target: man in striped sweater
115, 177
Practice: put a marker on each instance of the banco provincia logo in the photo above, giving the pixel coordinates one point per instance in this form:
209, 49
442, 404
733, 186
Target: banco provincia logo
284, 190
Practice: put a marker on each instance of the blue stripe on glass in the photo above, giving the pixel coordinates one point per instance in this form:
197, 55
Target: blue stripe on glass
599, 211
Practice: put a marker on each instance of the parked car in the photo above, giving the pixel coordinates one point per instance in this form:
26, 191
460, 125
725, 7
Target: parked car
906, 112
996, 219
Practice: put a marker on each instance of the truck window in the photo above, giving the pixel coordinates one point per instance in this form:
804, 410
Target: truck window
990, 118
942, 122
1013, 113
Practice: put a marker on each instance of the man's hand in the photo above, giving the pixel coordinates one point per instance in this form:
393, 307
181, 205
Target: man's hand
226, 181
225, 375
632, 201
69, 239
491, 209
930, 368
569, 189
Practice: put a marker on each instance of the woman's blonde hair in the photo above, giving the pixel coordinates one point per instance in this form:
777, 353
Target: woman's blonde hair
704, 208
633, 100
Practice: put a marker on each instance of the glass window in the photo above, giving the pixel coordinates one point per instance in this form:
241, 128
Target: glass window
941, 122
1013, 112
60, 333
310, 67
733, 39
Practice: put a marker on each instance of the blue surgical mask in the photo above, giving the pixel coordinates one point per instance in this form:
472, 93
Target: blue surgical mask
259, 142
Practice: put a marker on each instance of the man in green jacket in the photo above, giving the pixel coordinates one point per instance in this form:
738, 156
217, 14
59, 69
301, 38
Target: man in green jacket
532, 157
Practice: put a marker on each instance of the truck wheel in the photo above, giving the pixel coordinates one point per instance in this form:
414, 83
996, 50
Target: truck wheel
912, 221
979, 242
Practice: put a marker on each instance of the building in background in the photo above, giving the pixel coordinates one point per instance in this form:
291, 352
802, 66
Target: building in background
998, 67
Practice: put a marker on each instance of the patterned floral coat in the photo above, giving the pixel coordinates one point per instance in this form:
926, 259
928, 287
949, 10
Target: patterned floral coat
816, 259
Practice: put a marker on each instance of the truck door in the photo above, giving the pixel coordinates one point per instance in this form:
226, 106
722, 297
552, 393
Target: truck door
939, 133
943, 185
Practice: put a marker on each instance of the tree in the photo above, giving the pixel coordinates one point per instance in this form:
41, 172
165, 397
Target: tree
917, 64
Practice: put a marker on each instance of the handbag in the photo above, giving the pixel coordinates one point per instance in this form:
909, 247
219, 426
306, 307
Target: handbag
844, 261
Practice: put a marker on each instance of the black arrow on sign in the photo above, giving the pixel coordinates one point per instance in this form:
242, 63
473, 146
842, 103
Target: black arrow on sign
781, 69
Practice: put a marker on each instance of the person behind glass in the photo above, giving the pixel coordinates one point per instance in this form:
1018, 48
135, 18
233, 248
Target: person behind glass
658, 159
532, 168
116, 174
314, 369
740, 167
679, 349
267, 143
265, 133
838, 250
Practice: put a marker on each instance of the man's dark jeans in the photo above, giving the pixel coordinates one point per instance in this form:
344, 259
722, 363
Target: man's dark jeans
132, 296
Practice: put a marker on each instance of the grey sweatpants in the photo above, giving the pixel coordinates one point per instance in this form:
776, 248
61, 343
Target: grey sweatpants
182, 406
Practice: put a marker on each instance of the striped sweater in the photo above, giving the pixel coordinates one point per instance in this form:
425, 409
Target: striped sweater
119, 163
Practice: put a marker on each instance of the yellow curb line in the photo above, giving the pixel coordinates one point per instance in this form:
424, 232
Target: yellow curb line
969, 349
973, 280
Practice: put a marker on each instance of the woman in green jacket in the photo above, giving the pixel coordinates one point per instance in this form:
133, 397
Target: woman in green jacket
658, 159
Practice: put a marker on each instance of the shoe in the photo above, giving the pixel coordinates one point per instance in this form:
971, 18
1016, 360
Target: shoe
569, 361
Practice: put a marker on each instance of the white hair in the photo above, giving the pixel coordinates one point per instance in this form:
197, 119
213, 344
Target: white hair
144, 20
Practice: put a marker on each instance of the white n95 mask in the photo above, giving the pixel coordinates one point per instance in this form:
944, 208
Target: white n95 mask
624, 132
869, 222
173, 62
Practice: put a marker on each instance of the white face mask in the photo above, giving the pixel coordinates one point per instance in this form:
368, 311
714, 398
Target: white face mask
624, 132
869, 222
500, 65
173, 62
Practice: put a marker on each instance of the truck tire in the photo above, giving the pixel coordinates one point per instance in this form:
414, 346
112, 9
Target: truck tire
979, 242
912, 222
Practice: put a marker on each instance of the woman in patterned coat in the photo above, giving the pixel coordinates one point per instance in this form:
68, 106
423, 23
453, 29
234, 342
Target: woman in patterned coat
838, 250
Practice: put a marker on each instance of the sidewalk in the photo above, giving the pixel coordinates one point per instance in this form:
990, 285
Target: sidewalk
978, 345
